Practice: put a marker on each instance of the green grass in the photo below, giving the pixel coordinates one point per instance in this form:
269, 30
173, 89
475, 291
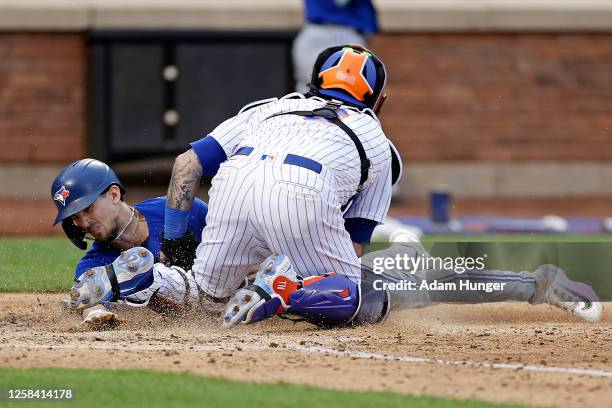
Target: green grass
37, 264
138, 388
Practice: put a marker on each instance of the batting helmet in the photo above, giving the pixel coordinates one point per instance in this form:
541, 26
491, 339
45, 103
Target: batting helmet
79, 184
352, 74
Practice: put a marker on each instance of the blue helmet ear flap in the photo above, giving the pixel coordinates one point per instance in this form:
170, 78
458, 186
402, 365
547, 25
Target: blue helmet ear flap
75, 234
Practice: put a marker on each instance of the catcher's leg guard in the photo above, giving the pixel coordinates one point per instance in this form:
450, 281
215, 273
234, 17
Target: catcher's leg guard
131, 272
337, 301
326, 301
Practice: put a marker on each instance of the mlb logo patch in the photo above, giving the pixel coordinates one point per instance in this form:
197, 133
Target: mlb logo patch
61, 195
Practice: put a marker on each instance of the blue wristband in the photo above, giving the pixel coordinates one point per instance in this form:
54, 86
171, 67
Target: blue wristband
175, 223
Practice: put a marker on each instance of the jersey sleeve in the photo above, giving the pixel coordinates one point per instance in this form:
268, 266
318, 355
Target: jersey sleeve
221, 143
98, 255
210, 153
374, 200
360, 229
230, 133
215, 148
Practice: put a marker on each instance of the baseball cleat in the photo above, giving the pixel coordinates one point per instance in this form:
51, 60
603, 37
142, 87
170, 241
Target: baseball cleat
240, 307
588, 311
266, 296
577, 298
131, 272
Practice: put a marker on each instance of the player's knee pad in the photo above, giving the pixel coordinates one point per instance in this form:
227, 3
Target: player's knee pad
336, 300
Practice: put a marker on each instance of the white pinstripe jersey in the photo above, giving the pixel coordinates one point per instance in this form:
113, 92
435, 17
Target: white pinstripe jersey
320, 140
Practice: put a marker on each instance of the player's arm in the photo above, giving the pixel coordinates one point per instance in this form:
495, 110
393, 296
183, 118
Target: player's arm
360, 230
186, 176
178, 246
359, 248
182, 251
202, 159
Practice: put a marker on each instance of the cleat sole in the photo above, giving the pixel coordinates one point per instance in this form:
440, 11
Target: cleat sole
131, 269
238, 308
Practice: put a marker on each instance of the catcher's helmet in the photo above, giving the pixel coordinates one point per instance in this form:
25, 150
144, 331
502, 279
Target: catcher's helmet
79, 184
352, 74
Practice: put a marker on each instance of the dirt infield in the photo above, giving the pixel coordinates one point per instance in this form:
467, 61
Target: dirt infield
512, 353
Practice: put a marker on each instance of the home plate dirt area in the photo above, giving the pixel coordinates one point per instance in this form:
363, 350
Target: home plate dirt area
504, 352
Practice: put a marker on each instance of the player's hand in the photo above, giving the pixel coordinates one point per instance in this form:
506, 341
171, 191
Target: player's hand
99, 318
179, 251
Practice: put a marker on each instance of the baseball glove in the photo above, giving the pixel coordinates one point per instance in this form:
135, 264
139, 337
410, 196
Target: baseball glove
179, 251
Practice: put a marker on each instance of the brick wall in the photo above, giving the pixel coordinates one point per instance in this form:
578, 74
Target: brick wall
42, 98
453, 97
499, 97
467, 97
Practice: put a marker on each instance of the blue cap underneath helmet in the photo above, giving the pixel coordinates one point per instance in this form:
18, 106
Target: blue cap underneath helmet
342, 96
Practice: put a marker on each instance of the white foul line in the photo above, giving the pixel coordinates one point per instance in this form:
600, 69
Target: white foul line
471, 363
322, 350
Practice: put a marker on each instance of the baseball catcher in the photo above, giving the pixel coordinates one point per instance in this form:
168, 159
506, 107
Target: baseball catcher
309, 176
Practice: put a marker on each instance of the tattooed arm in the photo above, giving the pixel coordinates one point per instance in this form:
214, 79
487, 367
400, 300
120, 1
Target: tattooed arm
178, 246
186, 175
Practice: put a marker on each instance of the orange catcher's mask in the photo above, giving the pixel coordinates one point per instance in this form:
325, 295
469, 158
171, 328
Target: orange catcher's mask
352, 74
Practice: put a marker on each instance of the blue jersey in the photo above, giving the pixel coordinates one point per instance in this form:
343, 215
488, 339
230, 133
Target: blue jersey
153, 210
359, 14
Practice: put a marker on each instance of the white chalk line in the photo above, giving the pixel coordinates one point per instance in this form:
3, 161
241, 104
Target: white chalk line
471, 363
128, 348
327, 351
